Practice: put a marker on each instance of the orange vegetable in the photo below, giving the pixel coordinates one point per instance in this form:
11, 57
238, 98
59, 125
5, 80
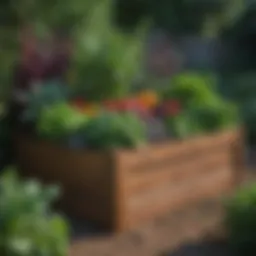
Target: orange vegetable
91, 109
148, 98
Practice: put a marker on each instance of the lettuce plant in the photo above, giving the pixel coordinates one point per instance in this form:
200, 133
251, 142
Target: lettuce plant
203, 108
114, 130
60, 120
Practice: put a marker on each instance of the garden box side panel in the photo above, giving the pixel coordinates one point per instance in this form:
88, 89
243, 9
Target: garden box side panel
123, 188
169, 176
86, 178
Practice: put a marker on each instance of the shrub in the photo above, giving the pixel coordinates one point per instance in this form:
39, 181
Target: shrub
241, 221
27, 226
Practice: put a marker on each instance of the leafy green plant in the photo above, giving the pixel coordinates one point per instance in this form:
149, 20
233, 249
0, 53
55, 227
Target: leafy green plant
181, 126
114, 130
59, 121
106, 60
27, 226
241, 221
203, 108
190, 89
215, 117
44, 95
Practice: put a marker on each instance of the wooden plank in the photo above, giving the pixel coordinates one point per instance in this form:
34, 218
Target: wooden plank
132, 159
74, 166
195, 155
176, 172
175, 197
87, 179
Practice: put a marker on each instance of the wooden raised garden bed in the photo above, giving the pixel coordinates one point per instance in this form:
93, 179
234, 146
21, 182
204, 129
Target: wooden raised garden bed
123, 188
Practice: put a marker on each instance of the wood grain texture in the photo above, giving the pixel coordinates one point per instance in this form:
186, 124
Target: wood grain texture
123, 188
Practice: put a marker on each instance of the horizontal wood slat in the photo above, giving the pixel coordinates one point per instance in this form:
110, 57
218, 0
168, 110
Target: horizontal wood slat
52, 162
174, 173
145, 208
133, 159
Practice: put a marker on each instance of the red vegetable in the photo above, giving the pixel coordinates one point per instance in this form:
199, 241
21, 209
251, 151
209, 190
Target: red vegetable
78, 103
44, 59
111, 105
171, 108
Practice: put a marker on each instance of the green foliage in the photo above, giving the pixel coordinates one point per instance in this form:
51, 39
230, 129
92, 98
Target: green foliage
115, 130
202, 108
175, 15
106, 60
241, 88
184, 16
191, 89
198, 120
216, 117
181, 126
241, 221
248, 113
9, 57
181, 16
59, 120
106, 130
104, 57
27, 227
48, 15
4, 131
44, 95
124, 9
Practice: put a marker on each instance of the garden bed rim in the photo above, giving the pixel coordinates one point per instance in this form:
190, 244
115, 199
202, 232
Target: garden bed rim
151, 146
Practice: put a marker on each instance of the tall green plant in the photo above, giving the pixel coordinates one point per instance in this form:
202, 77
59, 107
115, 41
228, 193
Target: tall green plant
106, 60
